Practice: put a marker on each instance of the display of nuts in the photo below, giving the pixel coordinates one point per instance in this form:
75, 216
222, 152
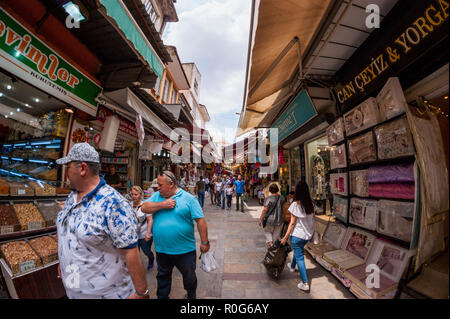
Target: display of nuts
43, 189
46, 248
18, 252
27, 213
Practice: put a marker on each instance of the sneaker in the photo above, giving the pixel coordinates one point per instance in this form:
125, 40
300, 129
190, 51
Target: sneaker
303, 286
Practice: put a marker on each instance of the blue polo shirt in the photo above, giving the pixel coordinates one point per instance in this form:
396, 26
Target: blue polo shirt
239, 186
173, 229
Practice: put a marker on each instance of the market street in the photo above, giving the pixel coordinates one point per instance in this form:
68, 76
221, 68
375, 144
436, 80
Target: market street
239, 247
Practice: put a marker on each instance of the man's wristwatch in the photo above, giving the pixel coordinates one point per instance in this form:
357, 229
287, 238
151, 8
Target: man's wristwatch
144, 294
205, 242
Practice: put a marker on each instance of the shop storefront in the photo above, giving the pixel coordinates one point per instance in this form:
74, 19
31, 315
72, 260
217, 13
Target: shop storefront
385, 157
44, 102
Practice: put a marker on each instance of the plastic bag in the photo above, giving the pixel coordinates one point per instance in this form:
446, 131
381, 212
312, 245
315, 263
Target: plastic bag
275, 259
208, 262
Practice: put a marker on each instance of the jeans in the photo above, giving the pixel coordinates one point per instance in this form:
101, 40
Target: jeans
239, 198
185, 263
147, 249
229, 198
298, 245
201, 198
218, 198
212, 194
223, 199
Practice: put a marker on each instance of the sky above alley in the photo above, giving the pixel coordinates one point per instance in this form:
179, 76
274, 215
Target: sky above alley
214, 35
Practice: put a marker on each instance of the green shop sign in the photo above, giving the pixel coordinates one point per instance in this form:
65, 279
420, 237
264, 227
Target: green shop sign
24, 55
299, 112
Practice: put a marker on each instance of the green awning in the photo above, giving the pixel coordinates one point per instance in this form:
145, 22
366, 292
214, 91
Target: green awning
115, 10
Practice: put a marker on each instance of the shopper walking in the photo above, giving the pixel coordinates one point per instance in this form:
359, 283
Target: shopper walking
239, 189
273, 213
218, 188
212, 186
173, 230
144, 225
229, 194
200, 189
302, 228
97, 234
206, 184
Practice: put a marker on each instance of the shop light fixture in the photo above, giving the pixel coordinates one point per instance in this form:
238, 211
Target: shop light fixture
4, 157
52, 146
11, 113
446, 97
41, 143
1, 94
6, 116
18, 109
28, 105
68, 110
17, 159
74, 11
38, 161
9, 87
36, 100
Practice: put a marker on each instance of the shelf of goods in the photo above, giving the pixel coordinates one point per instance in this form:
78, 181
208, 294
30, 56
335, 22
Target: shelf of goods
374, 185
30, 199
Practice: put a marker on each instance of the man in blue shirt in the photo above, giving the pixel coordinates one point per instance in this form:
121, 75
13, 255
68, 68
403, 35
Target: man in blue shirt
239, 188
173, 233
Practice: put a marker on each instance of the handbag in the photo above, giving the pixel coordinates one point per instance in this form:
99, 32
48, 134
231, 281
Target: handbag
264, 222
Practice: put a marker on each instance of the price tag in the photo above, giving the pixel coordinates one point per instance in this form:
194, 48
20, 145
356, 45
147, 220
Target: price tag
6, 229
27, 265
21, 191
34, 225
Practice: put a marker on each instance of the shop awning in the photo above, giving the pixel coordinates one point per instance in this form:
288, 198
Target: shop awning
128, 100
318, 36
117, 10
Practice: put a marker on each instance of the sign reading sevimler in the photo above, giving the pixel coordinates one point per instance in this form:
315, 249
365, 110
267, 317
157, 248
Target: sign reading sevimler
24, 55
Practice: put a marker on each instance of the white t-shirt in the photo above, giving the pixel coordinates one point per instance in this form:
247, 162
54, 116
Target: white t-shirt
218, 186
229, 190
141, 223
304, 228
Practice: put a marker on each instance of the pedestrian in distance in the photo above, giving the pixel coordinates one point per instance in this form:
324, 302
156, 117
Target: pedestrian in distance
174, 213
229, 194
239, 189
200, 190
301, 227
273, 212
212, 186
97, 234
144, 225
218, 188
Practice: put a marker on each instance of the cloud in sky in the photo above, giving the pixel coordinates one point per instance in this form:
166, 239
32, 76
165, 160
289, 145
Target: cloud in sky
214, 35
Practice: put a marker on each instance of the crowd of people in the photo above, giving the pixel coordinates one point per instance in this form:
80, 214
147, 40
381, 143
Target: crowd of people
101, 232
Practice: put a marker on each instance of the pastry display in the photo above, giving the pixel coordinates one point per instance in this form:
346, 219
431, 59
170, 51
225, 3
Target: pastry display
359, 185
394, 139
42, 189
8, 219
395, 219
338, 156
20, 256
335, 132
363, 213
338, 183
362, 149
391, 100
46, 247
361, 117
29, 216
49, 211
20, 189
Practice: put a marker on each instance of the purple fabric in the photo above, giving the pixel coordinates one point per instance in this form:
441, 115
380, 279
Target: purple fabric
392, 190
391, 174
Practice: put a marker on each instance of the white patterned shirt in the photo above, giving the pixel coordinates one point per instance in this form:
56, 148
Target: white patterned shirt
91, 234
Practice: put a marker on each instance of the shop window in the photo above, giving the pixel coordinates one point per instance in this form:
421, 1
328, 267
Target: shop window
166, 91
318, 165
157, 85
174, 96
296, 170
152, 11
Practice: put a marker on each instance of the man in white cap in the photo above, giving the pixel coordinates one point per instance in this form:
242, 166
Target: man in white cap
97, 234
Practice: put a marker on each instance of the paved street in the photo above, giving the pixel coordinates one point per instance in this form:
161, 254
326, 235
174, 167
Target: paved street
239, 247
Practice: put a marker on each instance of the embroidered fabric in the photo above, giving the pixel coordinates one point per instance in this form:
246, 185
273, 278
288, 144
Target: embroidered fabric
395, 219
362, 149
338, 157
394, 139
335, 132
364, 213
363, 116
338, 183
359, 184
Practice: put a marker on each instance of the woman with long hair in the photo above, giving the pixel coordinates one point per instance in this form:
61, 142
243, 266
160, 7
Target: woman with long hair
302, 229
144, 225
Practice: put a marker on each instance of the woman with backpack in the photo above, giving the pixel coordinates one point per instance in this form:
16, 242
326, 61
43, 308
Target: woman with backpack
271, 218
301, 227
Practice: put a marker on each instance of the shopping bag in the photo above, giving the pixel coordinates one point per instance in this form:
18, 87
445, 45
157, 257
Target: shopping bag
208, 262
275, 259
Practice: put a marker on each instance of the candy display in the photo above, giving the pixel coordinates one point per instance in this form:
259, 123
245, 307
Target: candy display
340, 207
363, 213
395, 219
362, 149
20, 256
394, 139
361, 117
29, 216
49, 210
338, 156
359, 184
392, 190
335, 132
338, 183
46, 248
391, 100
403, 173
8, 219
